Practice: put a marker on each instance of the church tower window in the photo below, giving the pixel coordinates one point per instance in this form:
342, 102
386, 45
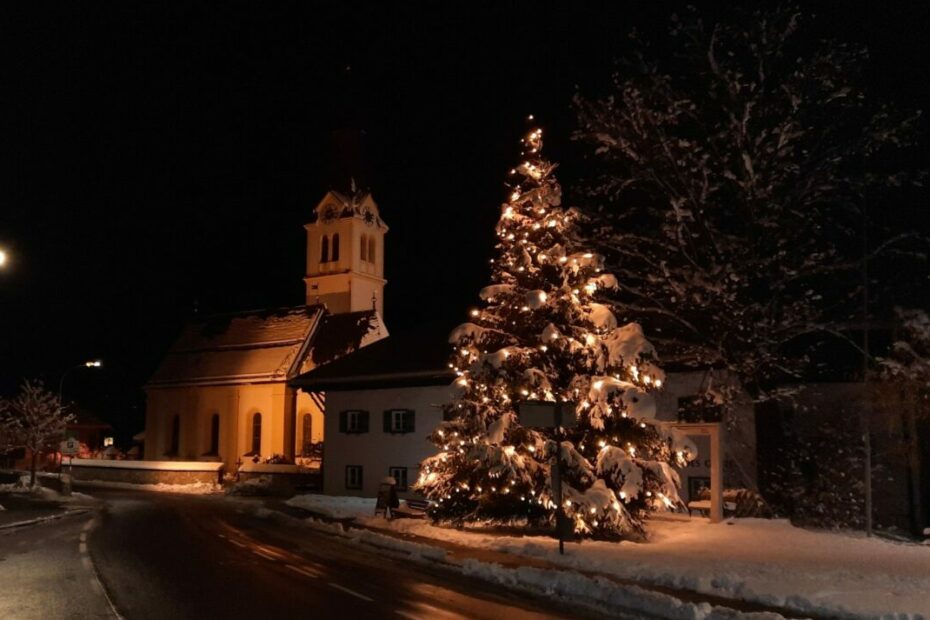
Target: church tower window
335, 247
371, 249
324, 249
364, 248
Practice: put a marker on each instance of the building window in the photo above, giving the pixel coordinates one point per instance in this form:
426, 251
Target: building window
399, 474
353, 421
214, 448
307, 427
257, 433
364, 248
335, 247
353, 476
399, 421
174, 437
371, 249
324, 249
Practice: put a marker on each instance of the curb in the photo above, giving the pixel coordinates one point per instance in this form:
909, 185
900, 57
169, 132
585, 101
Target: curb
37, 520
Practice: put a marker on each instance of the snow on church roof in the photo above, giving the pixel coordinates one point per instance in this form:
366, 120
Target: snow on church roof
264, 345
251, 346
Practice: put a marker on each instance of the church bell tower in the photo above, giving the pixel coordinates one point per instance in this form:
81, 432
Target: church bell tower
345, 254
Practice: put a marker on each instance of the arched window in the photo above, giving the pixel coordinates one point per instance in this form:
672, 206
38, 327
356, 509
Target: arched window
308, 434
214, 435
174, 438
371, 249
364, 247
335, 247
257, 433
324, 250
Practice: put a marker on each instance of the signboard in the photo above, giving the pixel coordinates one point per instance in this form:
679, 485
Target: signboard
547, 414
69, 447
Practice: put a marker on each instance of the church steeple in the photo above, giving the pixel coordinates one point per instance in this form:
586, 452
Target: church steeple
345, 253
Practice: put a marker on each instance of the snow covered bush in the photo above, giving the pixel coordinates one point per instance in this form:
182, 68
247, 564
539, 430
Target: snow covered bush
34, 419
544, 334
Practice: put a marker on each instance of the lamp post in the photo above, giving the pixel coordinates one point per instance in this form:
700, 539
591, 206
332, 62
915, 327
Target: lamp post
4, 258
87, 364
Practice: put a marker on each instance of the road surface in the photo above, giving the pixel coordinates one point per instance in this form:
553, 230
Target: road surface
161, 556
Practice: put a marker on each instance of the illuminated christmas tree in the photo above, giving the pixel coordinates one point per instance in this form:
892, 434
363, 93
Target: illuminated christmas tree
546, 334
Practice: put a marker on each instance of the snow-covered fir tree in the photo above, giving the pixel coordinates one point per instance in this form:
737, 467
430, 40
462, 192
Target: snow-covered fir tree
544, 335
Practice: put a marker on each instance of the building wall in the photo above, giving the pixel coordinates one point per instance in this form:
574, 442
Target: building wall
377, 451
738, 442
279, 406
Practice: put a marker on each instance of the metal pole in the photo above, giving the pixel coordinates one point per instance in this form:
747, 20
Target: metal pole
867, 446
866, 403
557, 480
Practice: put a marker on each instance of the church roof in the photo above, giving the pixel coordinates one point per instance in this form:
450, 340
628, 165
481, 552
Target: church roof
413, 358
261, 346
255, 346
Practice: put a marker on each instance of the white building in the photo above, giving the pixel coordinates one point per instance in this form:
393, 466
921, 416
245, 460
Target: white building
381, 405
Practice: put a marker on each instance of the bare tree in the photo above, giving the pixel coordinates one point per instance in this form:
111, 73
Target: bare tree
731, 168
34, 419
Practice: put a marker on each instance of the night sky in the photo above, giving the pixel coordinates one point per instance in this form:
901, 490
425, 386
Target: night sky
156, 161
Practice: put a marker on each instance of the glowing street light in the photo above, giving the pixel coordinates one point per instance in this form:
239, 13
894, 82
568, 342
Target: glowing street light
4, 259
93, 363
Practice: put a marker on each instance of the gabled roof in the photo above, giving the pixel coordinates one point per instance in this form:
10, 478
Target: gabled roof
245, 347
341, 334
413, 358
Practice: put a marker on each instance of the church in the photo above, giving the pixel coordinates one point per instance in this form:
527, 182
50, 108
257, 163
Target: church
221, 392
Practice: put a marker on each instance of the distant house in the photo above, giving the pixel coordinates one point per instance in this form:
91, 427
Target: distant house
221, 391
382, 403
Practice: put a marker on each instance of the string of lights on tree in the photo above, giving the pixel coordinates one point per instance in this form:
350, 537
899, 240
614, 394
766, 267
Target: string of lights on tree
546, 333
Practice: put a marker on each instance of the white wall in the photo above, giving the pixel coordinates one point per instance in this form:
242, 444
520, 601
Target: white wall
376, 450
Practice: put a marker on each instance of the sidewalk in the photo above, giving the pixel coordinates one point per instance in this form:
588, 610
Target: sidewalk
471, 559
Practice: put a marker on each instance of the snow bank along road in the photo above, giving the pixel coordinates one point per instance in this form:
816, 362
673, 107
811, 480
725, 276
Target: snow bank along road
168, 556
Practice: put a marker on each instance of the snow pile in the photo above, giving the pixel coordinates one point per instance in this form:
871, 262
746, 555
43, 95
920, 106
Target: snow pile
335, 507
764, 561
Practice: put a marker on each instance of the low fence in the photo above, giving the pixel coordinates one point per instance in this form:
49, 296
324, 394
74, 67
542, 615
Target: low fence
282, 479
145, 472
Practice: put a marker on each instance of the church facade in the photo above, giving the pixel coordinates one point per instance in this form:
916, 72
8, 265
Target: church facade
221, 392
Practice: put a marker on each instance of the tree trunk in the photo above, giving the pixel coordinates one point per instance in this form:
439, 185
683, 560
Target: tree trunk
32, 468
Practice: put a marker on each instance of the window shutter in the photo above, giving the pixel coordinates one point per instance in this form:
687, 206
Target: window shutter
361, 471
387, 421
409, 421
343, 421
363, 421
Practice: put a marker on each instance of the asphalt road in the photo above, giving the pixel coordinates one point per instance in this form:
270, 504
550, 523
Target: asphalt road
162, 556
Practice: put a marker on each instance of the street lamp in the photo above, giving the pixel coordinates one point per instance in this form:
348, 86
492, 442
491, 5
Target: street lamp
3, 258
87, 364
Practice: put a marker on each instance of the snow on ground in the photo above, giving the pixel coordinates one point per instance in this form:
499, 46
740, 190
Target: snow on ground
195, 488
335, 507
765, 561
593, 592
